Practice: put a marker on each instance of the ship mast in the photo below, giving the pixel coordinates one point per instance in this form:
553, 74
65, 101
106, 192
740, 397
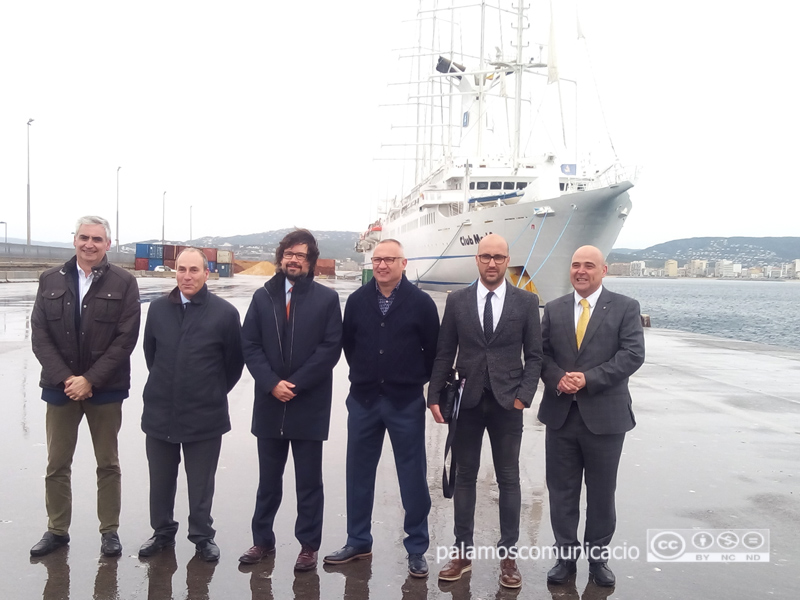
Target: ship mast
518, 68
482, 79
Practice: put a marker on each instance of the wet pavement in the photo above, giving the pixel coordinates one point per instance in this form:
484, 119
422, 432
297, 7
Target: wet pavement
716, 446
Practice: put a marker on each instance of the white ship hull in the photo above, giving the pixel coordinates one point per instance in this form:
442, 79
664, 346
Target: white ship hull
441, 255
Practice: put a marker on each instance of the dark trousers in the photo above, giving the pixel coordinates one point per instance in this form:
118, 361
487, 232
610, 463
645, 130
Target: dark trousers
272, 455
200, 464
575, 454
366, 424
505, 436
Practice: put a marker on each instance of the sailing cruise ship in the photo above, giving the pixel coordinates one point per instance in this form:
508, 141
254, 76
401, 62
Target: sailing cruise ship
494, 151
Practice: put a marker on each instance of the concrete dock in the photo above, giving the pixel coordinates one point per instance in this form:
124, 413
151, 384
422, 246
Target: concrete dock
717, 446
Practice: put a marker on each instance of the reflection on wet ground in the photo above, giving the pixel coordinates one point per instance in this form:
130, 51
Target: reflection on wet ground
716, 445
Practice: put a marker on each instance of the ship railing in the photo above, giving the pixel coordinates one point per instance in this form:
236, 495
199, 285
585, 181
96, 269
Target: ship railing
613, 175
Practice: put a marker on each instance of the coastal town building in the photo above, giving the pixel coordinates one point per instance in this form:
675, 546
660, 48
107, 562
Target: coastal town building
696, 268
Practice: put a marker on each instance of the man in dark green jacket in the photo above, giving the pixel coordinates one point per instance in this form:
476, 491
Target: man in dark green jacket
85, 324
193, 349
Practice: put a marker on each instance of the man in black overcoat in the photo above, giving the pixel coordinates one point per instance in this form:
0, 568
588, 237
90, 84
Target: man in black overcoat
292, 339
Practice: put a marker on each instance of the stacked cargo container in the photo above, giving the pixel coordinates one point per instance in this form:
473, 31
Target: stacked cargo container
149, 256
224, 260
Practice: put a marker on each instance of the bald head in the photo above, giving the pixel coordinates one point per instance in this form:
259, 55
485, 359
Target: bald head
491, 243
590, 252
587, 270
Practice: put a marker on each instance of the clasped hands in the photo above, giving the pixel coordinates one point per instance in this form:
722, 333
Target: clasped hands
572, 382
283, 391
77, 388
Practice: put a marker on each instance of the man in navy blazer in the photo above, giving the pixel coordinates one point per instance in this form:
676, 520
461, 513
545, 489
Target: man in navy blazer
389, 339
494, 329
587, 409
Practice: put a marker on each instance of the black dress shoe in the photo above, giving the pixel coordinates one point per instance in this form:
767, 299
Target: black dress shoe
110, 544
417, 565
155, 545
48, 543
208, 550
601, 574
561, 571
345, 555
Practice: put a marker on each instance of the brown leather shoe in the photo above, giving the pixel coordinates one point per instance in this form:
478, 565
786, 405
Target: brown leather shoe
455, 568
509, 574
256, 554
306, 560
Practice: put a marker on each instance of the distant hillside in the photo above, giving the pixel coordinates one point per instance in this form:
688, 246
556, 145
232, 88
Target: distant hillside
749, 251
261, 246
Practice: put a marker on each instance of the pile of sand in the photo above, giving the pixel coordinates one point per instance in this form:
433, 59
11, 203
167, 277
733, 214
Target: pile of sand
261, 268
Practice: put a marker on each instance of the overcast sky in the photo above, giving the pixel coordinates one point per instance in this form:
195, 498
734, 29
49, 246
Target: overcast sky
262, 115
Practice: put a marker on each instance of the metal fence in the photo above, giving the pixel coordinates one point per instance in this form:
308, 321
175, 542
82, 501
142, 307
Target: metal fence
23, 253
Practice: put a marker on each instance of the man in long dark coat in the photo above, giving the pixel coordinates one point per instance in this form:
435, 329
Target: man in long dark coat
292, 339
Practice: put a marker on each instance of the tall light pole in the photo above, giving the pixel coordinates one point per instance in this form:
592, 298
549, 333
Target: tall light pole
118, 168
190, 224
163, 215
5, 237
29, 181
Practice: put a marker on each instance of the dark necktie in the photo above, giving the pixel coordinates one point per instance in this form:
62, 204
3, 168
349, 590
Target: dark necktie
488, 329
488, 317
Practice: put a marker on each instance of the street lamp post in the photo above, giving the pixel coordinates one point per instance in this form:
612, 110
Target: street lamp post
29, 181
163, 215
5, 236
118, 168
190, 224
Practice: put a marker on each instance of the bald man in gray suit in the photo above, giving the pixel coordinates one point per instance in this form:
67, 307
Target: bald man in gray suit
593, 342
494, 329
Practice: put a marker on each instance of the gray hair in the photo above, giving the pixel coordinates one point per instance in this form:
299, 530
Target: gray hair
391, 241
93, 220
193, 249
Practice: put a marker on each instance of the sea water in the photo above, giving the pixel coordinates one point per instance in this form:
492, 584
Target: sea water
754, 311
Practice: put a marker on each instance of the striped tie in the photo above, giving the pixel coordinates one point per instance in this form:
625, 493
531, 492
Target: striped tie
583, 321
289, 302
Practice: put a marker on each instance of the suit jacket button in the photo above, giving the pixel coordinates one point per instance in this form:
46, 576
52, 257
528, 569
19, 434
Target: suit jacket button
380, 351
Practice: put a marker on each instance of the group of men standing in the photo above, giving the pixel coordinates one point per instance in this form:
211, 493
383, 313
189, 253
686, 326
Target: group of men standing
86, 324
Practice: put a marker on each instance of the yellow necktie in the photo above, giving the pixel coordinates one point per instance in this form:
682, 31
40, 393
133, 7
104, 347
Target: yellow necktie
583, 321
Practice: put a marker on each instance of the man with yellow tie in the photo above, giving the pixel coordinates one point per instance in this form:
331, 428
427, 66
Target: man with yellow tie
592, 342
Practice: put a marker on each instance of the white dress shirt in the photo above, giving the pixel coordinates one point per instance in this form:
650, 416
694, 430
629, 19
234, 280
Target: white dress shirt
84, 283
497, 302
592, 303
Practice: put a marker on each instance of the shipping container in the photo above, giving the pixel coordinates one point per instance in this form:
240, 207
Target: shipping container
169, 252
179, 249
212, 266
153, 263
142, 250
156, 251
224, 256
211, 254
169, 263
141, 264
326, 268
224, 270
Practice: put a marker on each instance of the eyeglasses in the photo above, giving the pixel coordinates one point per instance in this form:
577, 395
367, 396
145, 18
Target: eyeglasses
389, 260
298, 255
499, 259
